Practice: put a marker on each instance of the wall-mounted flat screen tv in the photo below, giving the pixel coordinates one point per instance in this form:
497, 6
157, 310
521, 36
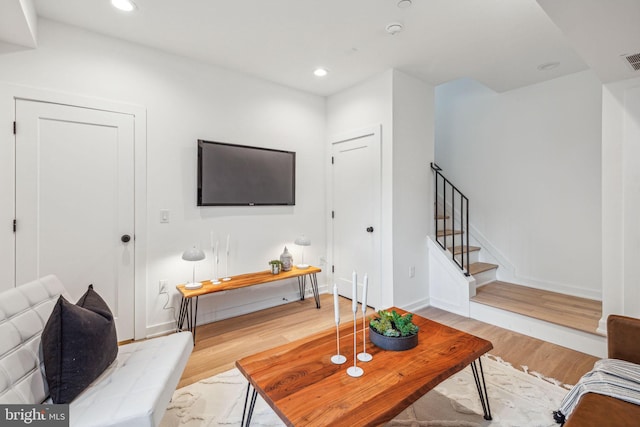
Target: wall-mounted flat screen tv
239, 175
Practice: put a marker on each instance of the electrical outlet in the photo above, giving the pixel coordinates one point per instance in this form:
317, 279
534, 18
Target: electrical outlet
163, 286
164, 216
412, 271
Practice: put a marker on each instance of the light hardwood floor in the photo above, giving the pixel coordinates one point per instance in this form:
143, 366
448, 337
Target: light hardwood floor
221, 343
574, 312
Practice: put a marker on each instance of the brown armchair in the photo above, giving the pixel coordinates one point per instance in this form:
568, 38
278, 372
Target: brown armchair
623, 342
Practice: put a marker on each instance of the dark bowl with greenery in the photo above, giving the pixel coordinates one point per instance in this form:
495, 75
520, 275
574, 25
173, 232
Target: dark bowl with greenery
393, 331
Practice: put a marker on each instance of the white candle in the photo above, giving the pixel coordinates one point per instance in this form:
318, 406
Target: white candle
354, 293
336, 303
217, 257
365, 285
227, 244
211, 239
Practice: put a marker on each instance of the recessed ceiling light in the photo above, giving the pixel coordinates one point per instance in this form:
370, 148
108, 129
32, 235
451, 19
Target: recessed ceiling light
403, 4
320, 72
548, 66
394, 28
124, 5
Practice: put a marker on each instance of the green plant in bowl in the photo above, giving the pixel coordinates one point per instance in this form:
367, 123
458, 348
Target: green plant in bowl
392, 324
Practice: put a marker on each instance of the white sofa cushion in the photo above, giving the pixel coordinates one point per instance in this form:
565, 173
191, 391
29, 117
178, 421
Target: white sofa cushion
135, 390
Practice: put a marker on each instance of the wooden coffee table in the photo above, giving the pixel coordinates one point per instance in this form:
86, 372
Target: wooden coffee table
304, 388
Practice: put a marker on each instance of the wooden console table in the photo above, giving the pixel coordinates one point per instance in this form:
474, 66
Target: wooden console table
189, 313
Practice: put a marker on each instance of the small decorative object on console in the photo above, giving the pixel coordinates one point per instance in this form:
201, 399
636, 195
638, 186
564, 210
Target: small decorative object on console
392, 331
275, 266
286, 259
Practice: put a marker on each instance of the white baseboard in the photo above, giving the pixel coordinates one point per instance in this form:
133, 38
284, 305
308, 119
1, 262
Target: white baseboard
417, 305
592, 344
451, 308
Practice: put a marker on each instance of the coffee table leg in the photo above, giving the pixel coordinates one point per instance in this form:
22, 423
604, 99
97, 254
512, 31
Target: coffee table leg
482, 388
252, 405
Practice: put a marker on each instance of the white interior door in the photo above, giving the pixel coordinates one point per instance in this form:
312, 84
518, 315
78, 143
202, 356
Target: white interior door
75, 202
356, 212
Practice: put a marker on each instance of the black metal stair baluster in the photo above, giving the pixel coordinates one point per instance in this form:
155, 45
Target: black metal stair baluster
463, 219
468, 233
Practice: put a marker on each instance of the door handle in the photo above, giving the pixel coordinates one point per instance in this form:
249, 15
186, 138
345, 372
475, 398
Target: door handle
369, 229
125, 238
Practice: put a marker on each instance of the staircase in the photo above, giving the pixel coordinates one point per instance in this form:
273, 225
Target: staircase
452, 230
458, 272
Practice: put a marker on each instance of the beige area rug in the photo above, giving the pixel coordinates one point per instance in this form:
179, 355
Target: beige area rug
517, 398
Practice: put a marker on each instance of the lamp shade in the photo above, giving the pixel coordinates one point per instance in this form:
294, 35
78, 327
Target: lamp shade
193, 254
302, 241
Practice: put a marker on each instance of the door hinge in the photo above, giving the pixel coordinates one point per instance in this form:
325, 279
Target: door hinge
15, 225
331, 156
14, 127
333, 268
333, 214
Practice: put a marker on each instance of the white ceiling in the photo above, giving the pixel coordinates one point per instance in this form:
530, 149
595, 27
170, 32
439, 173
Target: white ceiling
497, 42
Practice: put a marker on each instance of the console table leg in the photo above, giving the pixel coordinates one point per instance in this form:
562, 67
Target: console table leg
193, 321
302, 284
482, 388
181, 314
314, 287
187, 313
247, 415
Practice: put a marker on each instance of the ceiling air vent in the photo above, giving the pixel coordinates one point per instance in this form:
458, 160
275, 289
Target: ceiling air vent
634, 61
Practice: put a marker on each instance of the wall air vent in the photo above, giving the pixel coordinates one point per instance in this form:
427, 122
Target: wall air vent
633, 61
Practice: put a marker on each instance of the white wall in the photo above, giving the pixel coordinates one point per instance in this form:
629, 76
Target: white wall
404, 107
620, 198
413, 151
185, 100
529, 161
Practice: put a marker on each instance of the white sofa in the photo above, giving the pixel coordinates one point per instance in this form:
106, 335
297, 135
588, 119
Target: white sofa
133, 391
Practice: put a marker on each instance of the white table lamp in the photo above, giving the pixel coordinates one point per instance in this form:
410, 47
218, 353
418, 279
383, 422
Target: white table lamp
193, 254
302, 241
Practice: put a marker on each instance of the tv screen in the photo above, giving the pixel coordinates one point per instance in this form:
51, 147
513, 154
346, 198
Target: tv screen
239, 175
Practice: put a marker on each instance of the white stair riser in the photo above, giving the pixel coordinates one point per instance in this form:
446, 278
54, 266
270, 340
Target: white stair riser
452, 240
560, 335
450, 224
473, 257
485, 277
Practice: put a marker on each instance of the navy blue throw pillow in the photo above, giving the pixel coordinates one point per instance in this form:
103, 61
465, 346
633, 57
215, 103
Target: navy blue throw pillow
78, 343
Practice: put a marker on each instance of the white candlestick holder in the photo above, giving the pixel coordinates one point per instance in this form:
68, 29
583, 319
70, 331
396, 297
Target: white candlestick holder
226, 277
364, 356
355, 371
337, 358
215, 280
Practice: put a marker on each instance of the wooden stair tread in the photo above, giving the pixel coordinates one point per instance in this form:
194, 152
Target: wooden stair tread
448, 232
442, 216
457, 250
578, 313
481, 267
